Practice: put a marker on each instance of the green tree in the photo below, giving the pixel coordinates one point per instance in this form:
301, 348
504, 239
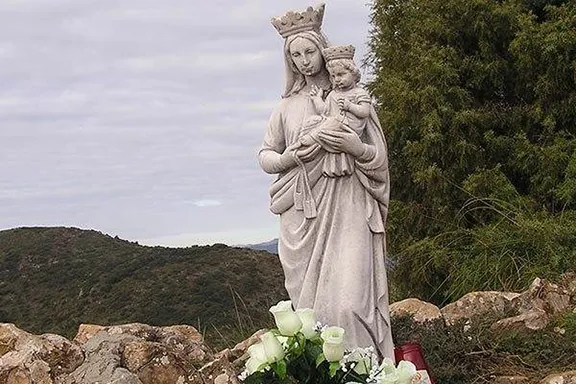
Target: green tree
478, 104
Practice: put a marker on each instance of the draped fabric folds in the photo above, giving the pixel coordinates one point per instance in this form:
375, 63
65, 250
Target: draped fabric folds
333, 259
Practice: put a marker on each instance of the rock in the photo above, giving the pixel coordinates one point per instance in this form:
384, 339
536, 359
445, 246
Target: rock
224, 379
37, 372
228, 364
86, 331
511, 380
420, 310
533, 320
568, 283
561, 378
476, 304
141, 354
138, 353
190, 332
241, 348
28, 358
62, 355
122, 354
219, 371
103, 361
545, 296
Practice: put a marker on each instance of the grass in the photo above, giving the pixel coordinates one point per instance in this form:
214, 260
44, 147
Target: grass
503, 255
477, 355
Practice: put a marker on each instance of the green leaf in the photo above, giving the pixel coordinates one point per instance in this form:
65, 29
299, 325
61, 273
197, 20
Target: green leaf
313, 349
334, 366
320, 359
280, 368
291, 341
301, 346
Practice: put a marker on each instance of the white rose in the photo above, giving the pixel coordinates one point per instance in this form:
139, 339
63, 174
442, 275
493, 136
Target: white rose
333, 346
405, 371
391, 378
308, 320
387, 367
283, 340
257, 358
286, 319
272, 347
253, 365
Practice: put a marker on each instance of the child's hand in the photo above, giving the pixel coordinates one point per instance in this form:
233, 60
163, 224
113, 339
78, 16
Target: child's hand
314, 91
344, 104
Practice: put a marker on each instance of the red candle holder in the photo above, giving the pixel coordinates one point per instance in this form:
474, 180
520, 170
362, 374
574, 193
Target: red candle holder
413, 353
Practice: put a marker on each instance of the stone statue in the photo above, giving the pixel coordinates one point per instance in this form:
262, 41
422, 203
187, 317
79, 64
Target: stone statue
326, 145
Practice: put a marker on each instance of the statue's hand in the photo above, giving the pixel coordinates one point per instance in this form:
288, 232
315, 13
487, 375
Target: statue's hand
315, 91
344, 104
288, 157
308, 153
345, 140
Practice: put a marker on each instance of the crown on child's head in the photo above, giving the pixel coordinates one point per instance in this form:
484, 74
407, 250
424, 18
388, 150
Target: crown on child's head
295, 22
339, 52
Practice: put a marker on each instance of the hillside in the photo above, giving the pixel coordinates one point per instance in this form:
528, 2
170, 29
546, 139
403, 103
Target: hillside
53, 279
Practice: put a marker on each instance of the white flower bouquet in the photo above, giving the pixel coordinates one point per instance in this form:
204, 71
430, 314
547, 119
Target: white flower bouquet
300, 350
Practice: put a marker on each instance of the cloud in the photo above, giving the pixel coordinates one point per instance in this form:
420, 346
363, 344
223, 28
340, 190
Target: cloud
208, 63
207, 203
116, 115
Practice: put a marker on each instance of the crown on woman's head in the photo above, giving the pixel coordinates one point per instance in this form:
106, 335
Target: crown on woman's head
295, 22
339, 52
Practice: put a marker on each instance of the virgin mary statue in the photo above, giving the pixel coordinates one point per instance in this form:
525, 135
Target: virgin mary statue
332, 236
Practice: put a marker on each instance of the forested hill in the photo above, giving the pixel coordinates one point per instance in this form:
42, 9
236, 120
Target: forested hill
53, 279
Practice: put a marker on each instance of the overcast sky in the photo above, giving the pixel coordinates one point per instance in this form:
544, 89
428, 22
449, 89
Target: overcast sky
142, 118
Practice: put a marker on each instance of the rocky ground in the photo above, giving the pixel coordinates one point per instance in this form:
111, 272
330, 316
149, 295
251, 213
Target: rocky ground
123, 354
524, 313
144, 354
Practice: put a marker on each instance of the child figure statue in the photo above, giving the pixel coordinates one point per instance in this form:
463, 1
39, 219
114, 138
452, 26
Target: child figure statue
347, 106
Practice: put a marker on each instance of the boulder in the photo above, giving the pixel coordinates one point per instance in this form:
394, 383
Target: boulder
87, 331
532, 320
123, 354
545, 296
228, 364
140, 353
30, 359
476, 304
238, 352
103, 362
568, 283
420, 311
560, 378
219, 371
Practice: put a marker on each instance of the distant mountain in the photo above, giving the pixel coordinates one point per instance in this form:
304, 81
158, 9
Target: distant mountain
268, 246
53, 279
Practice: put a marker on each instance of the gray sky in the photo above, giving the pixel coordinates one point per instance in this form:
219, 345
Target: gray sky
142, 118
